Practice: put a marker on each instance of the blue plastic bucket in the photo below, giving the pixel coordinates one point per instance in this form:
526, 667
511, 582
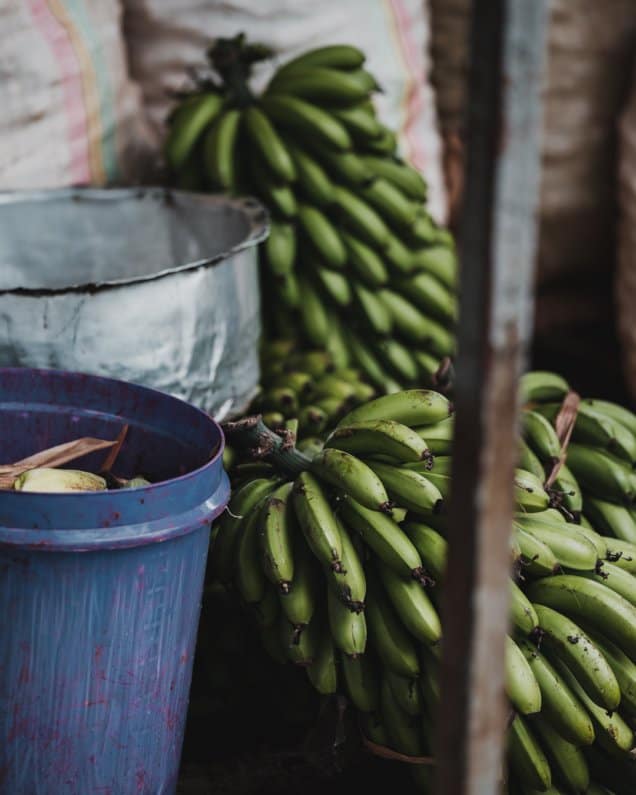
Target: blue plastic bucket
100, 593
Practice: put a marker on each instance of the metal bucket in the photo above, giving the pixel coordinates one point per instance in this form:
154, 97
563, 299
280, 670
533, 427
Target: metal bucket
149, 285
100, 592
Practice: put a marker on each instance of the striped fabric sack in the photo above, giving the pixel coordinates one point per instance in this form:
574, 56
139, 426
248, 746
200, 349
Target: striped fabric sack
70, 114
165, 39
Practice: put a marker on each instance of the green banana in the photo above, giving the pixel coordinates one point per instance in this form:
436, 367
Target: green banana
307, 119
562, 639
612, 724
315, 320
384, 144
300, 383
608, 517
428, 366
312, 179
322, 672
412, 605
398, 358
317, 521
341, 355
600, 544
287, 290
599, 472
402, 729
373, 729
331, 385
280, 248
348, 629
366, 263
405, 692
275, 531
439, 436
361, 124
559, 702
622, 415
409, 489
431, 546
336, 56
570, 547
335, 285
529, 493
367, 362
527, 760
528, 460
320, 84
388, 637
566, 760
400, 174
299, 603
379, 437
266, 612
323, 235
350, 584
360, 217
361, 682
372, 310
397, 255
279, 198
619, 580
415, 326
621, 553
300, 644
522, 687
242, 502
569, 491
587, 599
219, 147
343, 167
267, 142
316, 363
390, 202
353, 476
249, 576
439, 261
413, 407
541, 436
278, 399
429, 295
385, 537
522, 613
623, 667
190, 120
540, 386
310, 445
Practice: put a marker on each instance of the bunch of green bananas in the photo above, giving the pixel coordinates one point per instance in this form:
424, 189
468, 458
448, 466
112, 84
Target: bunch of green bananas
353, 259
354, 547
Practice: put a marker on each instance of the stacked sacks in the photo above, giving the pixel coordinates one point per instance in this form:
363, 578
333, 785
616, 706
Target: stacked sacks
353, 260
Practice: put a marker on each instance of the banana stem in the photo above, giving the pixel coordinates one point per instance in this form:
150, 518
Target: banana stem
251, 434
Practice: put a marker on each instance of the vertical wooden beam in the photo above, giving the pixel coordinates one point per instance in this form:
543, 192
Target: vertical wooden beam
497, 251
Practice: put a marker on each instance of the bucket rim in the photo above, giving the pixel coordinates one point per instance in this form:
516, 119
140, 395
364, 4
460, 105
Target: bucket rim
257, 216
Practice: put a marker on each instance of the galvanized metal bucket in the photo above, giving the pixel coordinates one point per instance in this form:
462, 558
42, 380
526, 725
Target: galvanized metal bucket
149, 285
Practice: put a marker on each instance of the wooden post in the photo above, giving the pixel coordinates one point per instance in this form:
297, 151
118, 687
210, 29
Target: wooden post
497, 250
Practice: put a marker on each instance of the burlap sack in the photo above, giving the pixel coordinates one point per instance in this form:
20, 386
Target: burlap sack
166, 38
70, 114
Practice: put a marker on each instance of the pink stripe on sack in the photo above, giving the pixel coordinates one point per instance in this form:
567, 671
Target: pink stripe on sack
415, 89
71, 84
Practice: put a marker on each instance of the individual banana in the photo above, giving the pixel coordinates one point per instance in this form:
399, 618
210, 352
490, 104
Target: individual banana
341, 355
332, 385
432, 547
287, 290
562, 639
348, 628
316, 363
439, 261
429, 295
610, 518
368, 363
600, 473
322, 672
626, 417
619, 580
362, 681
320, 84
195, 114
439, 436
568, 490
566, 760
388, 200
413, 407
400, 174
219, 147
300, 644
310, 445
522, 614
559, 703
385, 143
317, 521
541, 436
522, 687
385, 537
570, 547
529, 493
323, 235
409, 489
280, 248
540, 386
600, 544
372, 310
404, 736
306, 119
582, 598
360, 217
379, 437
621, 553
353, 476
398, 256
279, 197
276, 532
315, 320
344, 168
266, 141
388, 636
527, 759
412, 605
537, 558
249, 576
415, 326
623, 667
528, 460
335, 56
399, 359
350, 583
336, 285
361, 124
312, 179
364, 260
299, 602
405, 692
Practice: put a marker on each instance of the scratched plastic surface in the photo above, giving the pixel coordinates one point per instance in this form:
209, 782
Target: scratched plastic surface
100, 593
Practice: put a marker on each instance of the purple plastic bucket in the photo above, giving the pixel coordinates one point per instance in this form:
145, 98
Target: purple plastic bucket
100, 593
